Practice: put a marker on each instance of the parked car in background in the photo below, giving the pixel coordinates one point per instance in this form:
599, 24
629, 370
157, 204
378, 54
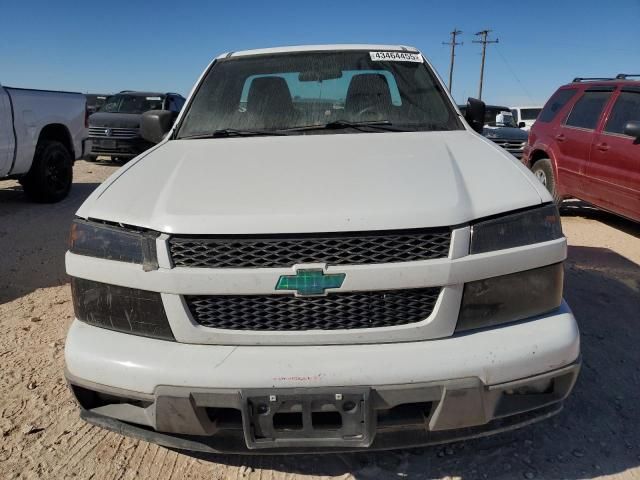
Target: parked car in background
524, 117
320, 254
586, 144
95, 101
41, 135
501, 129
114, 130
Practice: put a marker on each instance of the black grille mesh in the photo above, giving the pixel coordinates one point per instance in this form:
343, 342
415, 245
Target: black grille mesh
336, 311
347, 249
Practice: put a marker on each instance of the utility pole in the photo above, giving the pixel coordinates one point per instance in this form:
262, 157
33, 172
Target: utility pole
483, 34
453, 44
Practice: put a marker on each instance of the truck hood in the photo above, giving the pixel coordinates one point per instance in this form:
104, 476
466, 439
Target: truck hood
505, 133
315, 183
118, 120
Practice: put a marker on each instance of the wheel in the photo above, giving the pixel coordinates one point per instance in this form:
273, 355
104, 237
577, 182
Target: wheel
51, 174
543, 170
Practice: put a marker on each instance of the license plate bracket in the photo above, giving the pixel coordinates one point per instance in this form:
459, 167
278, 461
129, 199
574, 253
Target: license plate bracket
108, 143
307, 418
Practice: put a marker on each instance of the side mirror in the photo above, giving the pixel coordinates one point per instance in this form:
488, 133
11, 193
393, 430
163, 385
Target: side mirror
522, 125
155, 124
474, 114
633, 130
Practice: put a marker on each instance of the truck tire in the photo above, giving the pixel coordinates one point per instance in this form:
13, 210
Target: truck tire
543, 170
51, 174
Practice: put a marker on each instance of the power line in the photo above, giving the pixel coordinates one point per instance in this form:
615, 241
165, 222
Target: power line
515, 75
453, 44
483, 34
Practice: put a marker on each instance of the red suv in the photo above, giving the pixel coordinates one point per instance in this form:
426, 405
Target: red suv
586, 144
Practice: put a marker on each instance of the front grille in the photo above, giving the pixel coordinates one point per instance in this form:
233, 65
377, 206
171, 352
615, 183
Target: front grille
332, 249
336, 311
113, 132
515, 147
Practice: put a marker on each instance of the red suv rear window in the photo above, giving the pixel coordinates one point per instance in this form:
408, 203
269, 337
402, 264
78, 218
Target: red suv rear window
555, 104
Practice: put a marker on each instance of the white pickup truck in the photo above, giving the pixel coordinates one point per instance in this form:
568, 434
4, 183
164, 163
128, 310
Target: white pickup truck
41, 134
320, 254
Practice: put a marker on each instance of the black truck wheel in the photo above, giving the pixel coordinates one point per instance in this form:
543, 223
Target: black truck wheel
51, 174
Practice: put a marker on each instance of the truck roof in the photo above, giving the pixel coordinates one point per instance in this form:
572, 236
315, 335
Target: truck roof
142, 94
319, 48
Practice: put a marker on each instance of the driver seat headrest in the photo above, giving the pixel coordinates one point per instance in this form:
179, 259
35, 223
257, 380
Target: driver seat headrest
368, 90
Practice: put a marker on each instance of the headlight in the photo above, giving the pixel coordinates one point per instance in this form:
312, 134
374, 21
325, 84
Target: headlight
509, 298
523, 228
114, 243
123, 309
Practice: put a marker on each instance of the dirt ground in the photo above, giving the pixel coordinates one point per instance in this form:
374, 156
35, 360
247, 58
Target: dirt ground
596, 436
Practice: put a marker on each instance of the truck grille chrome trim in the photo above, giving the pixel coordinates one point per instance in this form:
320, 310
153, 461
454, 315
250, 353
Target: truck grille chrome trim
515, 147
280, 251
336, 311
113, 132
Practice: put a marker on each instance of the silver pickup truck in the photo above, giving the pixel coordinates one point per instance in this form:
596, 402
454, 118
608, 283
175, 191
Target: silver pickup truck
41, 134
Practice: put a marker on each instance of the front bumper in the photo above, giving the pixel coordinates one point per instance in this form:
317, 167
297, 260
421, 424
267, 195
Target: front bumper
124, 148
196, 396
401, 416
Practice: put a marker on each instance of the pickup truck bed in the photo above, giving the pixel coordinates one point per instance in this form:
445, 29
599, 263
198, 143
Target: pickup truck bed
41, 134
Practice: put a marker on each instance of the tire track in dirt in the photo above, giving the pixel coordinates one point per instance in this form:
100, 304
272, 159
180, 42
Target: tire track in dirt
141, 449
90, 443
169, 465
110, 454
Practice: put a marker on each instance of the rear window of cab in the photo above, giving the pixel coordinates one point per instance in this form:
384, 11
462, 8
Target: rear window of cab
333, 90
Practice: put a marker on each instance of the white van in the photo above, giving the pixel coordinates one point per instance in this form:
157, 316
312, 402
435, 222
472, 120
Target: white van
526, 116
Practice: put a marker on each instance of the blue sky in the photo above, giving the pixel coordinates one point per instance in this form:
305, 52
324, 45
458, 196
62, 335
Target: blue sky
161, 45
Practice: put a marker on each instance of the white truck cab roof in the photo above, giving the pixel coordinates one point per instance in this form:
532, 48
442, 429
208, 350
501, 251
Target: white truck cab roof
318, 48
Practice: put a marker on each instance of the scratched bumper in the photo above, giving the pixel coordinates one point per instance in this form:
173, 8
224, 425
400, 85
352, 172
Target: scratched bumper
497, 355
208, 397
215, 420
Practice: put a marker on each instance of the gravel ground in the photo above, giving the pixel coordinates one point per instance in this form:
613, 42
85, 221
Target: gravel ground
596, 436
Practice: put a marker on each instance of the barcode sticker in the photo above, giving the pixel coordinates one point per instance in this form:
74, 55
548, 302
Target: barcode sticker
396, 57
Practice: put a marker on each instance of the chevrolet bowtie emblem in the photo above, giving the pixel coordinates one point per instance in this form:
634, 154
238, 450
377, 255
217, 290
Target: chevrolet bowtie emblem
310, 282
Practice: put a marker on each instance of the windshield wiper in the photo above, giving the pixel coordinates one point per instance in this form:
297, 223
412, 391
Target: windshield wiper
233, 132
367, 126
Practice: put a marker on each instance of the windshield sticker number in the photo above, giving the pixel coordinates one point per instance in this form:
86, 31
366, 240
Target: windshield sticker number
395, 57
154, 98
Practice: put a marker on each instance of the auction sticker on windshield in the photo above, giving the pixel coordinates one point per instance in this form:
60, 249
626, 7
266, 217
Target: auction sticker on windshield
396, 57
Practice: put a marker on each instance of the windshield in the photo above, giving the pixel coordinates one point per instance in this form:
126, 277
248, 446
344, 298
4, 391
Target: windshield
125, 103
275, 93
